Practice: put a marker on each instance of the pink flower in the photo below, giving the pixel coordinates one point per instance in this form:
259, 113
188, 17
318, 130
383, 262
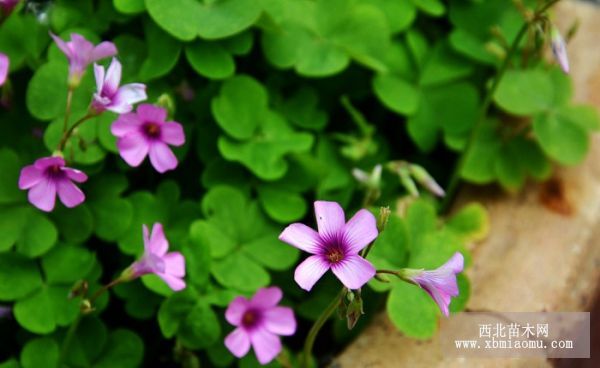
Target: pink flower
4, 65
109, 96
259, 321
7, 6
49, 176
440, 283
559, 49
168, 266
335, 246
81, 53
146, 133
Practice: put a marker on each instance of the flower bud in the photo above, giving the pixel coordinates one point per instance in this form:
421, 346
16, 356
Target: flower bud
422, 177
354, 309
80, 288
559, 49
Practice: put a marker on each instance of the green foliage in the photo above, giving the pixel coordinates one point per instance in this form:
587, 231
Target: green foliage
420, 241
279, 100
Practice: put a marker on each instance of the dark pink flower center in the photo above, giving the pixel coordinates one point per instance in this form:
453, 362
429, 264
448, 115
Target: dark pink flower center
334, 250
250, 318
152, 130
54, 172
335, 255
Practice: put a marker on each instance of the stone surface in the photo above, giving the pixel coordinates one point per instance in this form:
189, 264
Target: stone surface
542, 253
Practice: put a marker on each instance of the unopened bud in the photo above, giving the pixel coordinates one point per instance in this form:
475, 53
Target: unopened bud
382, 220
80, 288
407, 181
354, 310
166, 101
422, 176
86, 307
559, 49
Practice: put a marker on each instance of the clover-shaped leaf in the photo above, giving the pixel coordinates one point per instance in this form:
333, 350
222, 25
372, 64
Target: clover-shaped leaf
241, 240
163, 53
190, 318
240, 107
264, 153
187, 19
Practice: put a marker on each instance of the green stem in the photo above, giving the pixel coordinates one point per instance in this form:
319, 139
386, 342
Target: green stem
316, 327
68, 339
455, 179
68, 132
68, 109
103, 289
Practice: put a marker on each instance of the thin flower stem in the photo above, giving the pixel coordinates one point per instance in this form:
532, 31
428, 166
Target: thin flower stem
68, 109
389, 272
68, 132
316, 327
68, 339
456, 175
103, 289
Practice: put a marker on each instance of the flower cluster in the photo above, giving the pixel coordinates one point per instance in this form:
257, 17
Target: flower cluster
335, 246
141, 133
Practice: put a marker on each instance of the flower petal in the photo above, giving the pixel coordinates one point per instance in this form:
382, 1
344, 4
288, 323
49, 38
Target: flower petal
455, 264
151, 113
43, 195
161, 157
360, 231
172, 133
113, 78
440, 298
62, 45
280, 321
81, 47
103, 50
146, 239
99, 75
125, 124
69, 193
158, 242
302, 237
354, 271
45, 162
236, 310
133, 148
4, 65
310, 271
238, 342
126, 96
330, 218
266, 297
174, 264
75, 175
174, 282
266, 345
30, 176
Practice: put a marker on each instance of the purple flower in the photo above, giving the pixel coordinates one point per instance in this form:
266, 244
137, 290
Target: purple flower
4, 65
109, 96
145, 132
559, 49
259, 321
49, 176
440, 283
7, 6
81, 53
168, 266
335, 246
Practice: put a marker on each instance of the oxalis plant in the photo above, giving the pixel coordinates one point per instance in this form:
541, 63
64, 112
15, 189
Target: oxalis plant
162, 159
